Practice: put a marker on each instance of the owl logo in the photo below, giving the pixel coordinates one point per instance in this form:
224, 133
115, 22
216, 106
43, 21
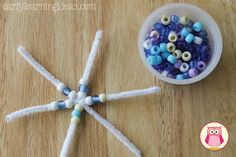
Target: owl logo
214, 137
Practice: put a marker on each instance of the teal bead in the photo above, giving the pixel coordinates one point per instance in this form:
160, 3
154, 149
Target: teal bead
163, 47
154, 60
179, 77
76, 113
189, 38
155, 50
197, 26
164, 55
172, 59
184, 32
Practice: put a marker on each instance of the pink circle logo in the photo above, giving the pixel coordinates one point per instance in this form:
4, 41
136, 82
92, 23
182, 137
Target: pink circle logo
214, 136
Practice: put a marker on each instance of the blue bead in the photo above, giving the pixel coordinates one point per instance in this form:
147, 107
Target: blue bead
193, 64
175, 19
163, 47
159, 59
189, 38
158, 26
202, 34
172, 26
155, 50
179, 77
76, 113
184, 32
205, 56
168, 66
61, 105
165, 31
164, 55
172, 59
153, 60
95, 99
83, 88
190, 24
66, 91
185, 75
197, 26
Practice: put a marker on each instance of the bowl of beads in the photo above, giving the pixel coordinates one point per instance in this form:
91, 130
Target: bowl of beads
180, 43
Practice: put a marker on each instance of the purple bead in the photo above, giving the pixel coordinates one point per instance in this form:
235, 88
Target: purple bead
201, 65
180, 37
168, 66
179, 27
181, 45
178, 64
205, 56
192, 72
205, 41
205, 48
202, 34
154, 41
196, 57
170, 75
158, 26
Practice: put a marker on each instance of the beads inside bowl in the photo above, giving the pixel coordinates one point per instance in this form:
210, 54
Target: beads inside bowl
177, 47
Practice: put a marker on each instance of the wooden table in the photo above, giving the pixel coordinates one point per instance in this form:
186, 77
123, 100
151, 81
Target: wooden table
161, 125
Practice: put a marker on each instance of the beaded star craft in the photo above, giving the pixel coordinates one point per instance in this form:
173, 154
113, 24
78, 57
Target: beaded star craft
80, 100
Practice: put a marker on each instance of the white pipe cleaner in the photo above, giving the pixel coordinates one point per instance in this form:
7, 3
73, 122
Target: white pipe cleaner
80, 102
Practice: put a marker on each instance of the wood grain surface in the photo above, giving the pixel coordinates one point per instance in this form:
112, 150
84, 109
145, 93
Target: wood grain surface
161, 125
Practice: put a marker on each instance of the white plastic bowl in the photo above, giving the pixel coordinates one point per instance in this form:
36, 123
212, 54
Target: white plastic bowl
196, 14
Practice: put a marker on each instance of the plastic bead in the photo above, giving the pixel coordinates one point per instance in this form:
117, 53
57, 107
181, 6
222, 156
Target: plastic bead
76, 113
102, 97
75, 120
164, 55
79, 107
165, 20
54, 105
172, 37
165, 31
184, 67
201, 65
158, 26
60, 87
154, 60
177, 54
172, 26
178, 28
197, 40
170, 47
193, 72
186, 56
73, 95
147, 44
155, 50
175, 19
83, 88
202, 33
154, 33
184, 32
88, 100
163, 47
69, 103
164, 73
184, 20
172, 59
178, 64
197, 26
159, 59
66, 91
95, 99
193, 64
179, 77
189, 38
61, 105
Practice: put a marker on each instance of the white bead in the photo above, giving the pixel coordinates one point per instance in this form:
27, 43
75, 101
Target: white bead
184, 67
186, 56
69, 103
197, 40
88, 100
102, 97
81, 95
165, 20
154, 33
170, 47
172, 37
73, 95
177, 54
82, 81
60, 87
54, 105
147, 45
184, 20
164, 73
79, 107
75, 120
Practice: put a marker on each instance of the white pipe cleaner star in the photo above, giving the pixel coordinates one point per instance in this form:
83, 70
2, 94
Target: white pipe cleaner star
79, 99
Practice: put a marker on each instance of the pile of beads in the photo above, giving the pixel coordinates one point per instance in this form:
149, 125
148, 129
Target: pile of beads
177, 47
